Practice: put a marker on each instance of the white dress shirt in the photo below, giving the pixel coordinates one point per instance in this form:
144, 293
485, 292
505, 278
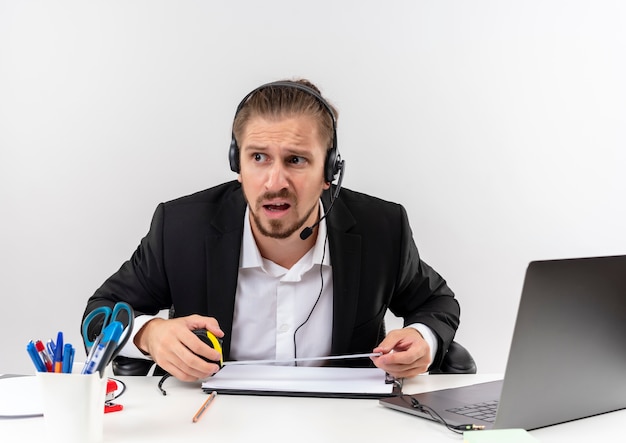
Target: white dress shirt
273, 303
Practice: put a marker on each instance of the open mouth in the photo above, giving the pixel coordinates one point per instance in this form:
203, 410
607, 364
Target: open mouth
278, 207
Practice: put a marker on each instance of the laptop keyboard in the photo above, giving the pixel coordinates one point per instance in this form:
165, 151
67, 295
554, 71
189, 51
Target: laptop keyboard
485, 411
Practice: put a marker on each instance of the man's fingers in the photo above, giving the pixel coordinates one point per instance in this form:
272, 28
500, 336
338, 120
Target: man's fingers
175, 348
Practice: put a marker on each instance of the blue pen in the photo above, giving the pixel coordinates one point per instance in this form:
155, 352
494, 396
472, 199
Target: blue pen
50, 347
68, 358
96, 342
101, 356
58, 353
34, 356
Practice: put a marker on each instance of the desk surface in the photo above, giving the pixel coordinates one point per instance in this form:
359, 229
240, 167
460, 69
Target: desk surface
150, 417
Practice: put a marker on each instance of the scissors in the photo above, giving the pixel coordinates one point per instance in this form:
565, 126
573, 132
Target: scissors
108, 316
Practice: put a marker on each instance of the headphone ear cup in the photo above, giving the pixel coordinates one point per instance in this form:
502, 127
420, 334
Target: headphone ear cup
331, 167
233, 156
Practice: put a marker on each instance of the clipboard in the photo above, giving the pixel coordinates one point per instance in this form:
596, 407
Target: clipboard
303, 381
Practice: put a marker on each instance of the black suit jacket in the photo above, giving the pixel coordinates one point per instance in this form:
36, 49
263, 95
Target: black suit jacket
189, 260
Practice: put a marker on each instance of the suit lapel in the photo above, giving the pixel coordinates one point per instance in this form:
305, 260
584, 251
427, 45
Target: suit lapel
222, 252
345, 252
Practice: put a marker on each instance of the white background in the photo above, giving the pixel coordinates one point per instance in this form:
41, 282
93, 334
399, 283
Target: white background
499, 125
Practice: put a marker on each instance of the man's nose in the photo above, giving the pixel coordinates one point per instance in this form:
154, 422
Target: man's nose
277, 177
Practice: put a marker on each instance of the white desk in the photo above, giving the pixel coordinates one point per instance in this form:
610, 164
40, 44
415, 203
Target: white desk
150, 417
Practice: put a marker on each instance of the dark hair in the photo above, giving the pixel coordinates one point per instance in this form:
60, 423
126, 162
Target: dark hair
279, 101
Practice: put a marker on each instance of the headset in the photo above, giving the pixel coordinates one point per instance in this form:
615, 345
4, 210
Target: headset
333, 163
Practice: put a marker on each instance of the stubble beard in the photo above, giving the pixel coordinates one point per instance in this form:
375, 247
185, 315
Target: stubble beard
277, 228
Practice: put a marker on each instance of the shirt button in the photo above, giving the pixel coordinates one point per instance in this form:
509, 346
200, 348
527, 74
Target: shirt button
283, 328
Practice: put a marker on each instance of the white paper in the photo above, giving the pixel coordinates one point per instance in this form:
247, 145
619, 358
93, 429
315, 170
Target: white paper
20, 397
300, 379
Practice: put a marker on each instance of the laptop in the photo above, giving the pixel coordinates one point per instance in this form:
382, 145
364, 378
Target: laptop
567, 358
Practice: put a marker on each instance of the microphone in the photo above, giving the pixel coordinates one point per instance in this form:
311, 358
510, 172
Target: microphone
306, 232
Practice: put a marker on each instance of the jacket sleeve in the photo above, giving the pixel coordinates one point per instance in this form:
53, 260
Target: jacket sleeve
422, 295
141, 281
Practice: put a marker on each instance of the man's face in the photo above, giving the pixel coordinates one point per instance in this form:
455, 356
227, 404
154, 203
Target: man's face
282, 163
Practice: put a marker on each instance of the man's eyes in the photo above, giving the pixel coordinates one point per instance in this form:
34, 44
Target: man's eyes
292, 160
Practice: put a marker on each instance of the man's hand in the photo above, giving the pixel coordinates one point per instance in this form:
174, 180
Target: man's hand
172, 345
405, 353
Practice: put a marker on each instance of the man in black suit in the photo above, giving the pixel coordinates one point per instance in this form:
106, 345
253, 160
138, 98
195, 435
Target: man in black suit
280, 264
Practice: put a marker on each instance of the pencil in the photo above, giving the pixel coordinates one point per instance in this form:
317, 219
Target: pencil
204, 406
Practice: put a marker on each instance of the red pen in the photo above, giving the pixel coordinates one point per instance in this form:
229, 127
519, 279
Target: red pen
44, 355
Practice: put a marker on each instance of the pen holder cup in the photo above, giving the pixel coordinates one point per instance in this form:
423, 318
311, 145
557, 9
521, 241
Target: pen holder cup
73, 406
